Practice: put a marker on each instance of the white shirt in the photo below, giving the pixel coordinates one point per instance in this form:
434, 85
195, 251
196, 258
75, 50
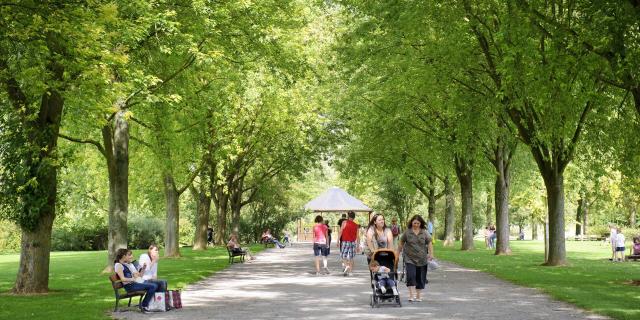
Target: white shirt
620, 240
151, 271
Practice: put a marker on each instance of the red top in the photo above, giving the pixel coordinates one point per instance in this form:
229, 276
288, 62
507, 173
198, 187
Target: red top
350, 231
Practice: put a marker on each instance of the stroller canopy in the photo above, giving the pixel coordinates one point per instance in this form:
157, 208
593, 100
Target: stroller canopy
336, 200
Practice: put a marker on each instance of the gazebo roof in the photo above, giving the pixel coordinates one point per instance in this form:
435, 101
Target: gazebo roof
336, 200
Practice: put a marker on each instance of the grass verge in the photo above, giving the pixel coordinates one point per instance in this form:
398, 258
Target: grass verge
590, 281
79, 291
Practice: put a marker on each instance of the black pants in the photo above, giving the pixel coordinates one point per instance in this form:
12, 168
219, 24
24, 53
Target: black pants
416, 275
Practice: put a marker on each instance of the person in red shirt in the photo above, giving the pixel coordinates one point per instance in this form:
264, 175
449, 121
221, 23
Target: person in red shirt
320, 244
349, 236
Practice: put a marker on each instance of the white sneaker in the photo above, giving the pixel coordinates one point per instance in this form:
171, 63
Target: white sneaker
383, 289
395, 291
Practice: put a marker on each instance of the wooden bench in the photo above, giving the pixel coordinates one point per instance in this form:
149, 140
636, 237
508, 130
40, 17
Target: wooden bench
589, 238
233, 255
267, 243
121, 293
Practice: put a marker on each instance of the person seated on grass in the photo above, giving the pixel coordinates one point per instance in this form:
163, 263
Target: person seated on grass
268, 238
234, 246
636, 246
148, 264
131, 279
635, 249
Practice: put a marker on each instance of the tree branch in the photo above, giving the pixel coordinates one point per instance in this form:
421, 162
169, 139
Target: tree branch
86, 141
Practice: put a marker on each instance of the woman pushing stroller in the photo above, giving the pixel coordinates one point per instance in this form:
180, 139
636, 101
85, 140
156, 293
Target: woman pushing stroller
418, 251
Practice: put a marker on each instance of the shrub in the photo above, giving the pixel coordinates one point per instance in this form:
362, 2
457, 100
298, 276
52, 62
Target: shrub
79, 238
143, 231
9, 236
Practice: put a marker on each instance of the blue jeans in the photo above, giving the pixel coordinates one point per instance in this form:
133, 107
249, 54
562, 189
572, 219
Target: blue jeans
162, 284
386, 282
276, 242
149, 287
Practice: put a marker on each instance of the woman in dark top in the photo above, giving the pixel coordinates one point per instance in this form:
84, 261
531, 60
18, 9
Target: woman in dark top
418, 250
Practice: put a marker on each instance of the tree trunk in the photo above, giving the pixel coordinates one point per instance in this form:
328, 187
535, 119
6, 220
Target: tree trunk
503, 181
579, 218
33, 269
172, 228
585, 216
221, 215
116, 145
450, 215
554, 183
464, 171
534, 229
203, 209
636, 98
632, 216
488, 212
431, 208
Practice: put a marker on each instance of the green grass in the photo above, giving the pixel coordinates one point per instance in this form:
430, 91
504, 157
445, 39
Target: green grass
590, 281
78, 290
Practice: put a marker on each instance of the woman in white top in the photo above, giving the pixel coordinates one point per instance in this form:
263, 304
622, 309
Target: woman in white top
148, 264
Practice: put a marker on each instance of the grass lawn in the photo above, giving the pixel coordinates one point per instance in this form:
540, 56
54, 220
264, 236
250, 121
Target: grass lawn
590, 281
79, 291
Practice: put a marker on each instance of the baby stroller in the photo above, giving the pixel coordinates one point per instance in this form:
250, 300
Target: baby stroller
389, 259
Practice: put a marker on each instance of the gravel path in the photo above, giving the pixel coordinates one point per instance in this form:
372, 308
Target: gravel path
278, 285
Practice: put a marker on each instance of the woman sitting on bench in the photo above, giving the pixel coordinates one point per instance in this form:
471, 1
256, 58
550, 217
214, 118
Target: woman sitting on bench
131, 279
234, 246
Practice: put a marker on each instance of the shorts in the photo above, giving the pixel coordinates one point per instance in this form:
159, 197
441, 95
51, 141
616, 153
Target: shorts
320, 249
348, 249
619, 249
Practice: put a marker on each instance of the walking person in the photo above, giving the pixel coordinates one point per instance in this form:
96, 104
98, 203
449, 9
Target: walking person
378, 236
418, 251
320, 246
326, 223
349, 235
395, 231
340, 221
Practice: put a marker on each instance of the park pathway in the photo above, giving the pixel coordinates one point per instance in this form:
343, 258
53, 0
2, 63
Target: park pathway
278, 285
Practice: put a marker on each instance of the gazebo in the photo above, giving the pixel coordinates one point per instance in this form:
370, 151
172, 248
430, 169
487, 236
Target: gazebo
332, 200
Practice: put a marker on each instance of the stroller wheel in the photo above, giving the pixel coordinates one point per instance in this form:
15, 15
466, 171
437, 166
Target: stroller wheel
371, 302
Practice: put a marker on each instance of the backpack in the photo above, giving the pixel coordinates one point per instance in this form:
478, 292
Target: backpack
395, 230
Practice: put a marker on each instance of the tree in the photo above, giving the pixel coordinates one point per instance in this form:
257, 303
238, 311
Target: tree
47, 58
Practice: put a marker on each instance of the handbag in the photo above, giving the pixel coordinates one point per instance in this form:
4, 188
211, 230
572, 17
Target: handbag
175, 301
432, 265
158, 303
